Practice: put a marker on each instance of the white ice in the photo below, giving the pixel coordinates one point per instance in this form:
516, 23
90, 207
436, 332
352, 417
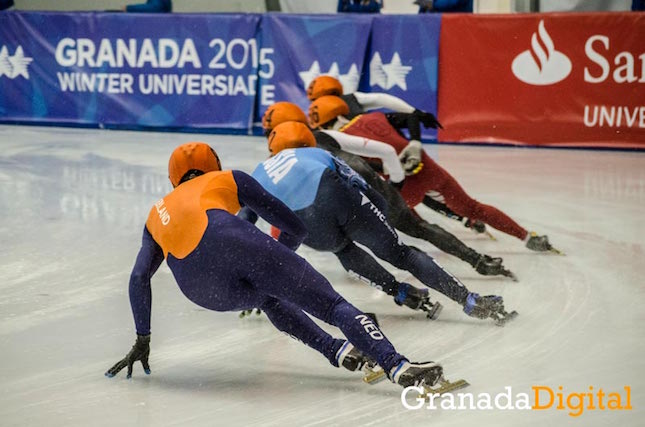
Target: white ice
73, 203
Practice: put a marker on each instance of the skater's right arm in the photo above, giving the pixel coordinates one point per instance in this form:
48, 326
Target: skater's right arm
371, 101
148, 261
366, 147
254, 197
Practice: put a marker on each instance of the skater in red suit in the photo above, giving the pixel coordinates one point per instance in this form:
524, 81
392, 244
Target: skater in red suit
426, 177
360, 103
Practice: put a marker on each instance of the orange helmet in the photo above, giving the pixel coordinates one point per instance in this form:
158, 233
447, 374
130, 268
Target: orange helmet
290, 135
191, 156
281, 112
325, 109
324, 85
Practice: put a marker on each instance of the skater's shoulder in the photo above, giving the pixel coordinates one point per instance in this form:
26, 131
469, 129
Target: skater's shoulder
218, 188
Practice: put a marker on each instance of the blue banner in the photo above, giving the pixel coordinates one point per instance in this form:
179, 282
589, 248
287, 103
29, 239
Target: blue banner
304, 47
203, 72
403, 60
129, 69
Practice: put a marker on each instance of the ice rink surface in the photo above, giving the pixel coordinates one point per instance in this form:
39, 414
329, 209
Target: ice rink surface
73, 205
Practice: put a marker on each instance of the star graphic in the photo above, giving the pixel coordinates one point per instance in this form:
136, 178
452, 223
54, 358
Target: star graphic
377, 75
20, 62
396, 72
310, 74
334, 71
350, 80
5, 65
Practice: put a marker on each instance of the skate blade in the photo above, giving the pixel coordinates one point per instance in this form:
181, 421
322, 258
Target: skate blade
444, 387
434, 312
507, 318
556, 251
511, 275
373, 375
490, 236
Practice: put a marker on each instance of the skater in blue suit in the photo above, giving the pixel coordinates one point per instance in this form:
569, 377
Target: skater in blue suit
339, 210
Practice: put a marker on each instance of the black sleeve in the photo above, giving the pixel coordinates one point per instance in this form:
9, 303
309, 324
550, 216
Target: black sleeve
256, 199
326, 142
148, 261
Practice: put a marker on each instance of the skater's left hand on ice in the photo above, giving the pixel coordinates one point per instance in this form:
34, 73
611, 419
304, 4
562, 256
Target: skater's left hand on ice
140, 351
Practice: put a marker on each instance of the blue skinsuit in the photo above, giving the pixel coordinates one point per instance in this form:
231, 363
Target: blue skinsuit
338, 209
224, 263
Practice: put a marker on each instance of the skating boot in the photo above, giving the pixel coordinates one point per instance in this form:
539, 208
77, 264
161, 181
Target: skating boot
540, 244
352, 359
488, 266
417, 299
478, 227
408, 374
489, 306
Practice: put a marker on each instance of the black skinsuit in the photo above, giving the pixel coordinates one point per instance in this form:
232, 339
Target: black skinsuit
399, 214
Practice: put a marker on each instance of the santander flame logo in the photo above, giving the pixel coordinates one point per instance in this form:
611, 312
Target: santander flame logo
542, 64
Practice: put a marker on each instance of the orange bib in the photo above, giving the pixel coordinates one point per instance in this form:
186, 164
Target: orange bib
178, 221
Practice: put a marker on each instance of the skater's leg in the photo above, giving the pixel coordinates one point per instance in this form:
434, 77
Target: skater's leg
323, 302
291, 320
410, 223
311, 292
357, 261
405, 219
370, 228
438, 205
461, 203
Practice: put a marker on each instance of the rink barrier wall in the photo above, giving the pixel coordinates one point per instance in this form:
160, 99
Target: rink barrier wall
496, 83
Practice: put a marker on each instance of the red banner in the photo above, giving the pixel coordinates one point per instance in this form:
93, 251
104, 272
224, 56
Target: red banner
543, 79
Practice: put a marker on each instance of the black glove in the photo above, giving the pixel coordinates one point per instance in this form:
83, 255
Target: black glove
428, 119
140, 351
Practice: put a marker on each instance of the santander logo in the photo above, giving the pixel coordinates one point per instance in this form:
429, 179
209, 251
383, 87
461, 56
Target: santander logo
541, 65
